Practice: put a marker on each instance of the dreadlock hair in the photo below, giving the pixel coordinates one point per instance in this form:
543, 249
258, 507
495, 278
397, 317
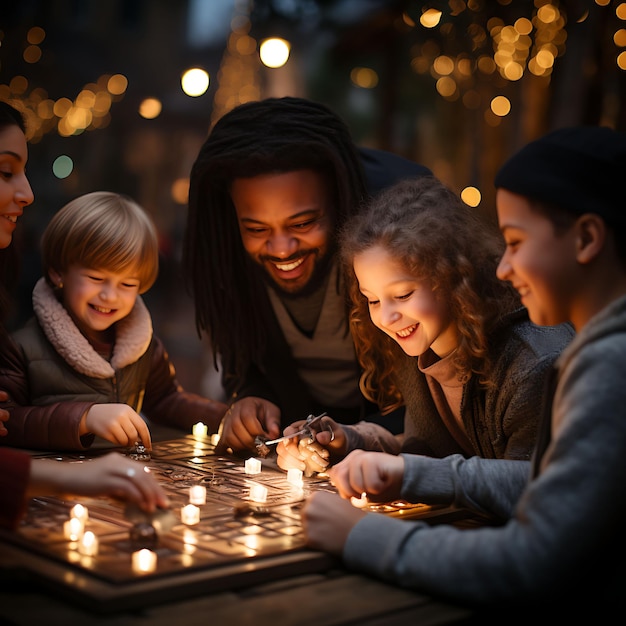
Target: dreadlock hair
275, 135
9, 116
437, 238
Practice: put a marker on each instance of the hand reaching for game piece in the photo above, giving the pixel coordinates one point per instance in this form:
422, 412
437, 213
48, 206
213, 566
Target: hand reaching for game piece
111, 475
312, 456
117, 423
246, 419
377, 474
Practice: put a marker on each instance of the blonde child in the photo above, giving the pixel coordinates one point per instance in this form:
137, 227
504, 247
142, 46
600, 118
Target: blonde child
88, 362
21, 476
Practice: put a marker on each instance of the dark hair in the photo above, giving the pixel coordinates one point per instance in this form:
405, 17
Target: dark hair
274, 135
9, 116
435, 237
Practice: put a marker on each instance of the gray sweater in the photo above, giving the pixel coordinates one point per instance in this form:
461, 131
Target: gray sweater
563, 528
500, 422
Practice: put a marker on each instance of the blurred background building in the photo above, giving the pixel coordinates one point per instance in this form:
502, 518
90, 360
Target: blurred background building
119, 95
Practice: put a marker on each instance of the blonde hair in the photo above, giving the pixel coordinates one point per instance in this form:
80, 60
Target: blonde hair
105, 231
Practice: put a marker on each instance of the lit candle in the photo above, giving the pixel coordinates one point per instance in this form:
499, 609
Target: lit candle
253, 466
144, 560
361, 502
294, 477
190, 514
197, 494
199, 430
80, 512
258, 493
73, 529
88, 545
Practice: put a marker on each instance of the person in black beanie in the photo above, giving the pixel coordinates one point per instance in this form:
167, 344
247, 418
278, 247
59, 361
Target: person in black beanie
561, 544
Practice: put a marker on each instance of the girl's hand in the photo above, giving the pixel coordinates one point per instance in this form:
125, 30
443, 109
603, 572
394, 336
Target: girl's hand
312, 456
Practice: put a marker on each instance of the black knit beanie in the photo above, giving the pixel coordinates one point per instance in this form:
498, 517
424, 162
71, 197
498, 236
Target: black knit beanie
579, 169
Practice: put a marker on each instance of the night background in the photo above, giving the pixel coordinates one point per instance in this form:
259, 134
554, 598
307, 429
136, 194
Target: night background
455, 85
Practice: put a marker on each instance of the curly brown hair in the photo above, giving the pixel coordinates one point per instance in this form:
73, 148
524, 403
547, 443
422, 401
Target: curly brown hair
436, 237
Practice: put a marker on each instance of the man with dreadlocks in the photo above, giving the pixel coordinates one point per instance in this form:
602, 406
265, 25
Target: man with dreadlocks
270, 189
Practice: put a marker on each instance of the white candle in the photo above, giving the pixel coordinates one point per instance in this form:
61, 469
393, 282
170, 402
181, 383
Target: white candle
73, 529
199, 430
361, 502
80, 512
88, 545
258, 493
253, 466
190, 514
294, 477
144, 560
197, 494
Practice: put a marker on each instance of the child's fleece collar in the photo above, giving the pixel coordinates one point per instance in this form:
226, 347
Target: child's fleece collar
133, 335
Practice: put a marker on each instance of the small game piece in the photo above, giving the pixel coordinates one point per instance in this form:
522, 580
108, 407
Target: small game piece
144, 535
138, 452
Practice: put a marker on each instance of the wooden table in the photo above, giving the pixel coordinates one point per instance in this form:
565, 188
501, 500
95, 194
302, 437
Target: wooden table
324, 596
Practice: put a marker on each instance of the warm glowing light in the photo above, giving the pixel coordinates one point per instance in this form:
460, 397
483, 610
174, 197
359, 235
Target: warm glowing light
501, 106
73, 529
197, 494
294, 476
180, 191
195, 81
199, 430
150, 108
361, 502
190, 514
117, 84
144, 561
253, 466
364, 77
88, 545
274, 52
258, 493
471, 196
80, 512
430, 18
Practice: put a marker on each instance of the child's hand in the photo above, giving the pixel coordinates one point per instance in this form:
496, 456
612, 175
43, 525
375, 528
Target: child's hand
377, 474
311, 456
117, 423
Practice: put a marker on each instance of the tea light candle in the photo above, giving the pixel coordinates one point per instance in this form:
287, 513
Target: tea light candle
144, 560
80, 512
190, 514
294, 477
258, 493
73, 529
88, 545
199, 430
361, 502
197, 494
253, 466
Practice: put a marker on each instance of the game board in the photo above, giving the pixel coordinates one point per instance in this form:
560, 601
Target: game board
237, 541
